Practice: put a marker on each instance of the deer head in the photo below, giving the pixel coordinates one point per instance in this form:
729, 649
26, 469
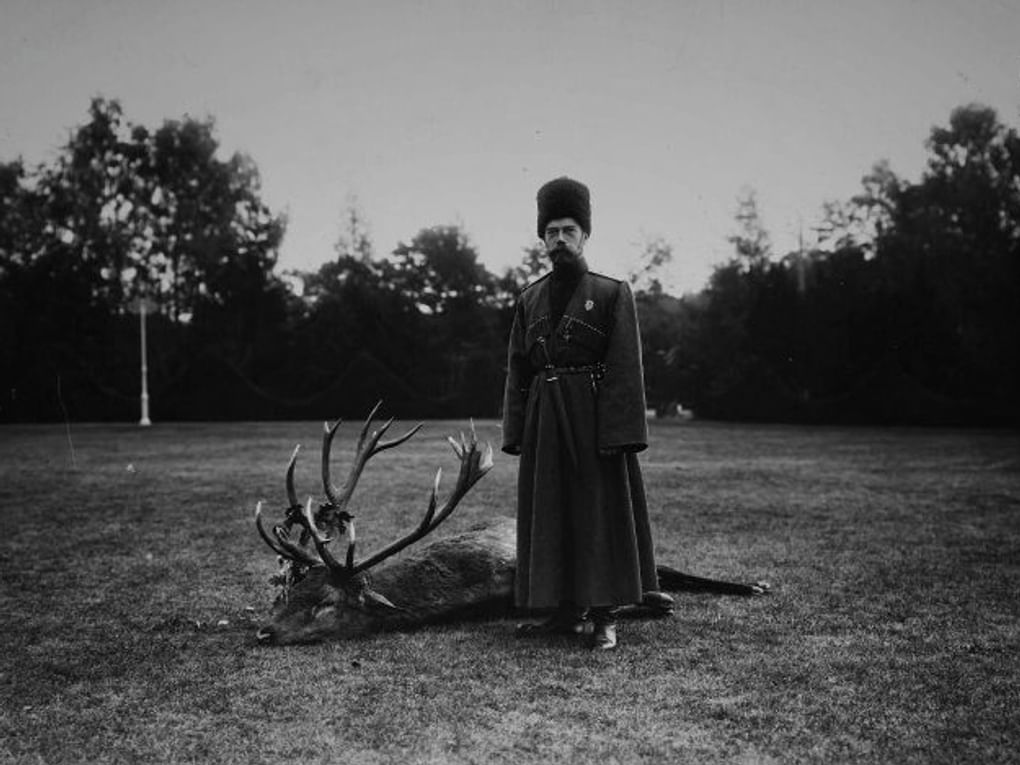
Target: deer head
329, 595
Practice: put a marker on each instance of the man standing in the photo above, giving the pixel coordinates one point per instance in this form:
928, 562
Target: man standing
574, 410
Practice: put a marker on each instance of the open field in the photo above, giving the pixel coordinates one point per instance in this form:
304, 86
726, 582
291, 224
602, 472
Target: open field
132, 578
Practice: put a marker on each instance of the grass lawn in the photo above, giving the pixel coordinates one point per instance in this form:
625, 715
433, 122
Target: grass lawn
133, 578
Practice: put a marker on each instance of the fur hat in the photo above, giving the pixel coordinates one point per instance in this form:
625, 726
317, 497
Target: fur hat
564, 198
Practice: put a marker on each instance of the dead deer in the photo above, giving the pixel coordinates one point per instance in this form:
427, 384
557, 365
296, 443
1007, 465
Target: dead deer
325, 598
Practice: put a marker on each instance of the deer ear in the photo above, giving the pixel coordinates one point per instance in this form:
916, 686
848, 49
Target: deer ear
376, 601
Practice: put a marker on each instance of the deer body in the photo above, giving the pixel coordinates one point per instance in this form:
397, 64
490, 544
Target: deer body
468, 573
472, 572
462, 572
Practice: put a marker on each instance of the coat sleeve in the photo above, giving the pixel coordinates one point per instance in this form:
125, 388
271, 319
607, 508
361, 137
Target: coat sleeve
621, 403
518, 378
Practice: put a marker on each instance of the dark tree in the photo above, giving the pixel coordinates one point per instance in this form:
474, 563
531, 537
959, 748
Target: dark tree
125, 212
950, 265
911, 316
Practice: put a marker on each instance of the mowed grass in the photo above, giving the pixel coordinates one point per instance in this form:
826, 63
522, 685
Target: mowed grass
133, 579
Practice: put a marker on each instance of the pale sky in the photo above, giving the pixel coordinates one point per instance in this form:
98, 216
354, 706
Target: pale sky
456, 112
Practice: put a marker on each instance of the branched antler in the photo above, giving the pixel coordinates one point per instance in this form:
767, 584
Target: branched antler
281, 543
334, 513
474, 464
368, 447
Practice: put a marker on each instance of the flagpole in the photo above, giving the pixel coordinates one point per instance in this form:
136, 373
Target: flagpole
144, 421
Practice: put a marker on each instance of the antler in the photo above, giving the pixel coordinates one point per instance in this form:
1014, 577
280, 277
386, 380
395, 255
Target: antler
280, 542
283, 545
474, 463
368, 447
337, 499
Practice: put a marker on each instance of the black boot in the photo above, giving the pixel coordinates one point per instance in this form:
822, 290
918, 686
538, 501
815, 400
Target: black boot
567, 620
603, 637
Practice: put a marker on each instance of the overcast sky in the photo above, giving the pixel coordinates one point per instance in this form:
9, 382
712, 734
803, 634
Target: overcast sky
455, 112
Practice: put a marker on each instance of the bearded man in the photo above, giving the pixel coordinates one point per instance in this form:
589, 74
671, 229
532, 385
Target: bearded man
574, 411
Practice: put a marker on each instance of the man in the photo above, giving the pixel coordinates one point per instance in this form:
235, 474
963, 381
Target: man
574, 410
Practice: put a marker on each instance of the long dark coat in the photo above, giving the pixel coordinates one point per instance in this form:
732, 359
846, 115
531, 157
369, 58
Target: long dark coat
574, 410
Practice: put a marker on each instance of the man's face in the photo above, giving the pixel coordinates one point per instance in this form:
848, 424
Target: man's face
564, 240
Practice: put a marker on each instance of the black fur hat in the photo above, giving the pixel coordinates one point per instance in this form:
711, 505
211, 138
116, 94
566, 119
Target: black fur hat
564, 198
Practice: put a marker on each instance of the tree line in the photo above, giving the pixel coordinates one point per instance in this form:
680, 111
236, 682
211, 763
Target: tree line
904, 310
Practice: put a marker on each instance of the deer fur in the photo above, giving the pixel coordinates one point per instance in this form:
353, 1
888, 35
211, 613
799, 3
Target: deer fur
463, 574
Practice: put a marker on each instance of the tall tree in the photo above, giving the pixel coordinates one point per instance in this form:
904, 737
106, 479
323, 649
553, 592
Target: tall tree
951, 262
752, 244
440, 268
354, 240
460, 301
656, 254
858, 221
213, 235
124, 212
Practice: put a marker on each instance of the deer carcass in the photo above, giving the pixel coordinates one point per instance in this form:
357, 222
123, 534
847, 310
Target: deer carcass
324, 597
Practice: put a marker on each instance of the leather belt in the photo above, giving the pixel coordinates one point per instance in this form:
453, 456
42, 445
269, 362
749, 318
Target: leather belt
552, 375
597, 370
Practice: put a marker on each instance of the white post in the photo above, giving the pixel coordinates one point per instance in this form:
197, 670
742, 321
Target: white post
145, 421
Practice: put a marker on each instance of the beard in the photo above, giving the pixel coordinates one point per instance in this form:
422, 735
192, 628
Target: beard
561, 253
